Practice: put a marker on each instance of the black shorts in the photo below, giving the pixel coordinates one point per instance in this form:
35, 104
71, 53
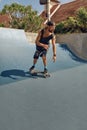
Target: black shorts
39, 53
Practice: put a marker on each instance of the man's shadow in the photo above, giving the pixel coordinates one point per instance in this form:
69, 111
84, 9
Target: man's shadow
14, 73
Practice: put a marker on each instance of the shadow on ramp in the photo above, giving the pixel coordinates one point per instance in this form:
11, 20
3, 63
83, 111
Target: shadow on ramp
15, 75
11, 73
72, 54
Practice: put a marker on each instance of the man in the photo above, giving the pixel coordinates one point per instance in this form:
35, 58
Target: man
42, 45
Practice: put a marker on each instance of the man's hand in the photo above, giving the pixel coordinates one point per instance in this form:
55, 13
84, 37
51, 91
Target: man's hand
45, 46
54, 58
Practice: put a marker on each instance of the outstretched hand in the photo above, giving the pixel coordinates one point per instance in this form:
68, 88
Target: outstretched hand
54, 58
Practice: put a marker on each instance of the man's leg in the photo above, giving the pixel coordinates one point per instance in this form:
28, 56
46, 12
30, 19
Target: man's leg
35, 58
34, 63
44, 60
44, 53
45, 63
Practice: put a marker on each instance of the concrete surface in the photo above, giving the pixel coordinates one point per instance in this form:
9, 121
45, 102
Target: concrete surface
35, 103
77, 42
31, 37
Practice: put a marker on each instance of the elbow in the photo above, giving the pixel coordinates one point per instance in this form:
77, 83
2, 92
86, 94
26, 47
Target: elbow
37, 43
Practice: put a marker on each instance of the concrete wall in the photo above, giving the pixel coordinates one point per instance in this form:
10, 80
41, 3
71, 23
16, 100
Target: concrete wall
76, 42
31, 37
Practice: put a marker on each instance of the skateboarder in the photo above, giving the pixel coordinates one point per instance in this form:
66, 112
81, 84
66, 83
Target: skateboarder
42, 45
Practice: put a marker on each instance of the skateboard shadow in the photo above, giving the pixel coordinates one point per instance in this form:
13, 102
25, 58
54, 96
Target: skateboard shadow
15, 73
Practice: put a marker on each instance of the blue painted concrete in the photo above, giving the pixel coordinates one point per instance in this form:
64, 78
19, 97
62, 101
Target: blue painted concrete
34, 103
16, 56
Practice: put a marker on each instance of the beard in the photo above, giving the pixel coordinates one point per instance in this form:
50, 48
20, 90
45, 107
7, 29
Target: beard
50, 31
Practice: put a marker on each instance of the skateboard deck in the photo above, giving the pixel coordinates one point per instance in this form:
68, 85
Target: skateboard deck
39, 74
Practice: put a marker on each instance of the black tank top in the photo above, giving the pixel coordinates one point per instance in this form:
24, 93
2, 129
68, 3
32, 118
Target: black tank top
44, 40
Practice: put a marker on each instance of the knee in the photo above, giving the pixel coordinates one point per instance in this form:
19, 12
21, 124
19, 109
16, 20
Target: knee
36, 55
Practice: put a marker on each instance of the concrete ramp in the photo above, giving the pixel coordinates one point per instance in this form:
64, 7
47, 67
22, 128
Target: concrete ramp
36, 103
16, 56
14, 53
77, 43
12, 37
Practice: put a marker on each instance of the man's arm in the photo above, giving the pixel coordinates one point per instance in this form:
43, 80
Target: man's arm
54, 48
39, 43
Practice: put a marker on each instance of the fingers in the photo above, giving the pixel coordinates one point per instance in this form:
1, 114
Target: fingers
46, 47
54, 58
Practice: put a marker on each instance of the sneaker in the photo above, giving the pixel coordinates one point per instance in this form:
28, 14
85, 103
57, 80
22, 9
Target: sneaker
45, 70
32, 68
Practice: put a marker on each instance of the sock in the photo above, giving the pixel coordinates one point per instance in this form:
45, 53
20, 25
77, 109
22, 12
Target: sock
45, 67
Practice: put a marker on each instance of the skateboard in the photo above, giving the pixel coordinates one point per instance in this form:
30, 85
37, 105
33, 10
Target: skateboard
39, 74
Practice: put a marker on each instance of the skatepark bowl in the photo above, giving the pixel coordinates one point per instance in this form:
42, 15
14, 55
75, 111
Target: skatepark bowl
33, 102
